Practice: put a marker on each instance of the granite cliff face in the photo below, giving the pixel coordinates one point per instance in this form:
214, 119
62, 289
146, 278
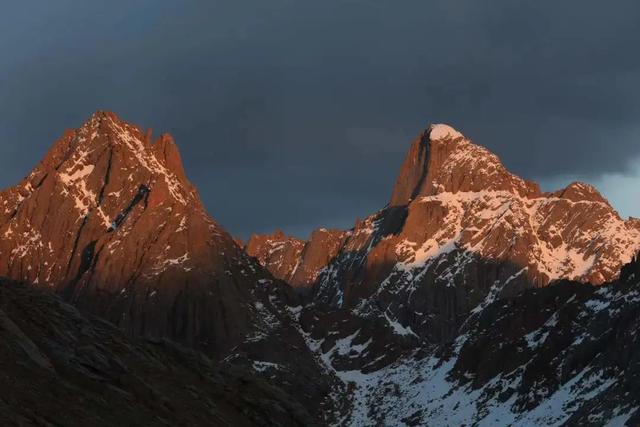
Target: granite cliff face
109, 220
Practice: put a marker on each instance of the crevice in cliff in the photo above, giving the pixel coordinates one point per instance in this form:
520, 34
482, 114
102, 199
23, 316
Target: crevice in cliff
15, 212
39, 183
142, 194
85, 220
137, 271
86, 260
107, 176
413, 172
94, 261
425, 170
392, 220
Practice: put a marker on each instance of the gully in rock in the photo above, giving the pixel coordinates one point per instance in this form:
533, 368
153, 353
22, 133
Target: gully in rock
142, 194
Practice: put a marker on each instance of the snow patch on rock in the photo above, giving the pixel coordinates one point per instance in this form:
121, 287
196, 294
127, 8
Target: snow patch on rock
442, 131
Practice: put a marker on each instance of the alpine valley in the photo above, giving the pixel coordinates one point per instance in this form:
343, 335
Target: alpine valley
471, 299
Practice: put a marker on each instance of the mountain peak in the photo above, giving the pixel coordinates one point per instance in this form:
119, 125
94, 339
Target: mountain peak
580, 191
166, 151
105, 127
443, 132
103, 114
103, 179
107, 155
442, 160
109, 220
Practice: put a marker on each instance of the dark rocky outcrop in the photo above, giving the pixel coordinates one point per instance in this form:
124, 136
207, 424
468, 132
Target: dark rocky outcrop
566, 354
562, 337
58, 367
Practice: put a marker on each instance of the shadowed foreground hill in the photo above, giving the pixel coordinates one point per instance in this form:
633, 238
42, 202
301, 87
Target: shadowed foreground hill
60, 368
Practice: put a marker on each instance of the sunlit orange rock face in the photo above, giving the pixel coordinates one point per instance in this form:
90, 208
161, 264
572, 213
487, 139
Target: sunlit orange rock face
109, 220
293, 260
465, 199
459, 222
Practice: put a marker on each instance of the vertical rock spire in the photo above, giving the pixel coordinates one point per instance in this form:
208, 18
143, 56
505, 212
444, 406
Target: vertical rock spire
413, 171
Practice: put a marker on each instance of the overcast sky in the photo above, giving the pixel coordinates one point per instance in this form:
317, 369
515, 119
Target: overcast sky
296, 114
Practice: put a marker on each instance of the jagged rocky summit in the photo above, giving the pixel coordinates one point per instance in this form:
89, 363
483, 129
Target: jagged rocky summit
109, 221
459, 231
293, 260
452, 195
404, 292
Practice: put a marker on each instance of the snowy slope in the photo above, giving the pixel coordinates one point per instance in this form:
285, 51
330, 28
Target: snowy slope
566, 354
395, 311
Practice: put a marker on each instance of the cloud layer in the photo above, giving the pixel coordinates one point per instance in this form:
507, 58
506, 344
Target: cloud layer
297, 114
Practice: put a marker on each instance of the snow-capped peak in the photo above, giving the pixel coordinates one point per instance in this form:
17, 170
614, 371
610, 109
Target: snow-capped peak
441, 160
443, 131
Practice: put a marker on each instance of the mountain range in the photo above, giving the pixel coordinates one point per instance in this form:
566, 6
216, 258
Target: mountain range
472, 298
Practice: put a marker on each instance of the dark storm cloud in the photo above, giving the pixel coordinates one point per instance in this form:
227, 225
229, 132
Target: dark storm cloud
297, 114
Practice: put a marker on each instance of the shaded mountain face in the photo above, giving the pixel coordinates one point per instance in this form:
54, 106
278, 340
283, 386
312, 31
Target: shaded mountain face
563, 355
58, 367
